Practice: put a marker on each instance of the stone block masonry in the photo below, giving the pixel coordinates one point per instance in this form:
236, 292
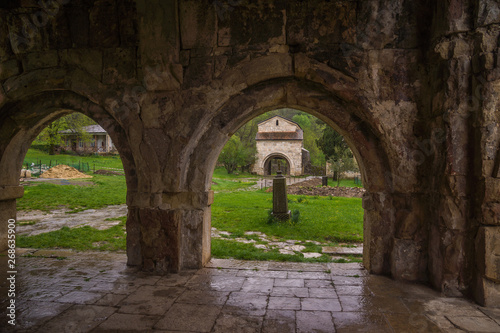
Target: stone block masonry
413, 86
278, 137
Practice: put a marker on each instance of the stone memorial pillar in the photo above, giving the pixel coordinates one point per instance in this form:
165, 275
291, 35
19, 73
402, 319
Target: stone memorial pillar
280, 200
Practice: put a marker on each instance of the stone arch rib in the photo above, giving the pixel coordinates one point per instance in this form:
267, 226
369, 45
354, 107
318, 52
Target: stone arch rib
25, 118
270, 156
348, 117
289, 92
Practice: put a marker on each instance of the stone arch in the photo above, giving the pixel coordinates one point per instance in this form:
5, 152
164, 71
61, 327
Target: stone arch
347, 117
279, 69
23, 119
364, 139
25, 125
268, 158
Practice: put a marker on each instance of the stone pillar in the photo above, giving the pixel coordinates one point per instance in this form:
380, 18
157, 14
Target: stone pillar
395, 235
324, 181
409, 253
133, 226
378, 232
487, 247
8, 196
448, 245
486, 180
487, 291
172, 235
280, 201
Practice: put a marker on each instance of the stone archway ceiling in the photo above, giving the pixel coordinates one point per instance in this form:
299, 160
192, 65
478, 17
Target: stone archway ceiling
412, 86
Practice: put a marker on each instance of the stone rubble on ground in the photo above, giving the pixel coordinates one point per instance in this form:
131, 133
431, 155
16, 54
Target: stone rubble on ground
290, 247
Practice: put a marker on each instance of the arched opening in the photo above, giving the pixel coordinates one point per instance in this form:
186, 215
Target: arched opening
327, 222
275, 162
36, 113
345, 114
72, 191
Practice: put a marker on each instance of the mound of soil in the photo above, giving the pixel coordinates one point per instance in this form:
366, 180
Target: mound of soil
307, 183
349, 192
108, 172
310, 187
63, 171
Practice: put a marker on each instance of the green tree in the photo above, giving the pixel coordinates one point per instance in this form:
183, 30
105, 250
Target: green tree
337, 152
51, 135
329, 140
312, 128
234, 155
303, 120
342, 162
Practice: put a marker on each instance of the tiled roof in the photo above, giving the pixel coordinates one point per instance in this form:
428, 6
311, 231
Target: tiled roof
297, 135
92, 129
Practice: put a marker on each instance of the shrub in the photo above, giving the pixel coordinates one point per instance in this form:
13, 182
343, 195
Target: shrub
302, 200
295, 216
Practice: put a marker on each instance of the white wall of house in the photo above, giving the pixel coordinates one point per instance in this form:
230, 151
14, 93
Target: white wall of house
100, 143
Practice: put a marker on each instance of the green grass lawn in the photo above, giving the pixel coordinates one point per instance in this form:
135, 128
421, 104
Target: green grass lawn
343, 183
84, 238
221, 173
100, 162
227, 249
223, 185
104, 191
323, 219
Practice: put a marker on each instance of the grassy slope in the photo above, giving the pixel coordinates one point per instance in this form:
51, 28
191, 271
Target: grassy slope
113, 161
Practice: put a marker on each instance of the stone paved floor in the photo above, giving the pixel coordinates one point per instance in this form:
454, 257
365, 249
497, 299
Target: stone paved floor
96, 292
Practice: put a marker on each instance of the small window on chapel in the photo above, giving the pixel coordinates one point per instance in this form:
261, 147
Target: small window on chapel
277, 122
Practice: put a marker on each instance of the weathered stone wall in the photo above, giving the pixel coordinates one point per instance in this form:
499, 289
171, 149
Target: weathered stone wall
290, 150
277, 124
412, 86
485, 135
459, 142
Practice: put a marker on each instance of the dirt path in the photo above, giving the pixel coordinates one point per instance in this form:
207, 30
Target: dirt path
55, 220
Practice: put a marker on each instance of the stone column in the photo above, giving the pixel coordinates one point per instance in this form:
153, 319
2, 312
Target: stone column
172, 235
395, 235
486, 178
487, 288
8, 196
409, 256
280, 201
378, 232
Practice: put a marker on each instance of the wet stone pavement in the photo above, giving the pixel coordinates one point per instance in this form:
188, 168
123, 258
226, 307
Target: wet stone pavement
97, 292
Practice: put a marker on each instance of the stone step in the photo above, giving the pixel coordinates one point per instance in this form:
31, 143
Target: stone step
338, 250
